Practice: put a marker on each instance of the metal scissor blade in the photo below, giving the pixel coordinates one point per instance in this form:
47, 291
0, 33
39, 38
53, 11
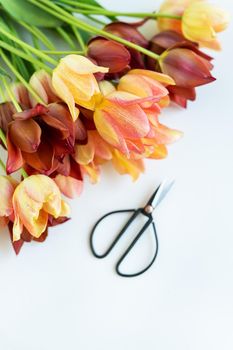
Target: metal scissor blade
161, 192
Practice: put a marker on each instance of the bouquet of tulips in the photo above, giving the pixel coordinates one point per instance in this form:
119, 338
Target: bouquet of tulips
65, 113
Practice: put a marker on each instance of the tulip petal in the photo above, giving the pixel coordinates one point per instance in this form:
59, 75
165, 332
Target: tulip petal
14, 160
109, 54
160, 77
186, 67
63, 92
7, 187
56, 124
82, 65
164, 135
7, 111
102, 149
43, 159
92, 171
108, 130
130, 118
127, 166
188, 94
142, 86
159, 152
127, 31
106, 87
84, 154
69, 186
25, 134
41, 82
21, 94
3, 221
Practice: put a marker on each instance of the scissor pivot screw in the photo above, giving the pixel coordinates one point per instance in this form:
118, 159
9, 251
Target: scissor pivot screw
148, 209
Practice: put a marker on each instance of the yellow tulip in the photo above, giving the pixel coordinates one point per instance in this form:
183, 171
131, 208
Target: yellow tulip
74, 82
201, 22
34, 199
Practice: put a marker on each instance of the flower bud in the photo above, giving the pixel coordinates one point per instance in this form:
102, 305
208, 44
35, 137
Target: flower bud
109, 53
187, 68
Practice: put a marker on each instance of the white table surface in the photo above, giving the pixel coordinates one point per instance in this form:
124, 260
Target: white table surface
58, 296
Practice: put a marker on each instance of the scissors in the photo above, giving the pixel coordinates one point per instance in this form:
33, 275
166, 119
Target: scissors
147, 211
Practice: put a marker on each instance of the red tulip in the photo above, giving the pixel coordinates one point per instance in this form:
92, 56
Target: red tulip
184, 62
186, 67
129, 31
40, 137
108, 53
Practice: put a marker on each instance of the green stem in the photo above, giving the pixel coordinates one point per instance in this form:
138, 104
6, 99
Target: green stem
66, 37
21, 79
124, 14
96, 20
10, 94
63, 15
37, 33
94, 10
87, 6
63, 52
26, 57
79, 39
28, 47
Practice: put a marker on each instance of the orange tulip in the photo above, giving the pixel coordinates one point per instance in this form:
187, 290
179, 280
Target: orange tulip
35, 199
120, 119
146, 84
74, 82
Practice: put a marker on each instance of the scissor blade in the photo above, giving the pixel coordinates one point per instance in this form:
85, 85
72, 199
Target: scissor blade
163, 189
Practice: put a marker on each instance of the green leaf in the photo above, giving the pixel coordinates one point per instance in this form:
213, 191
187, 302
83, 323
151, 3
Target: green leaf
24, 11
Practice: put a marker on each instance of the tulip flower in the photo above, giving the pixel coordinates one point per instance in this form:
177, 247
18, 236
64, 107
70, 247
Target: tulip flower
129, 31
35, 199
145, 84
187, 68
202, 21
126, 118
119, 118
40, 137
74, 82
108, 53
190, 64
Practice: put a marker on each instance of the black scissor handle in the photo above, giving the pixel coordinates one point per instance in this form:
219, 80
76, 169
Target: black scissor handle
101, 256
147, 224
